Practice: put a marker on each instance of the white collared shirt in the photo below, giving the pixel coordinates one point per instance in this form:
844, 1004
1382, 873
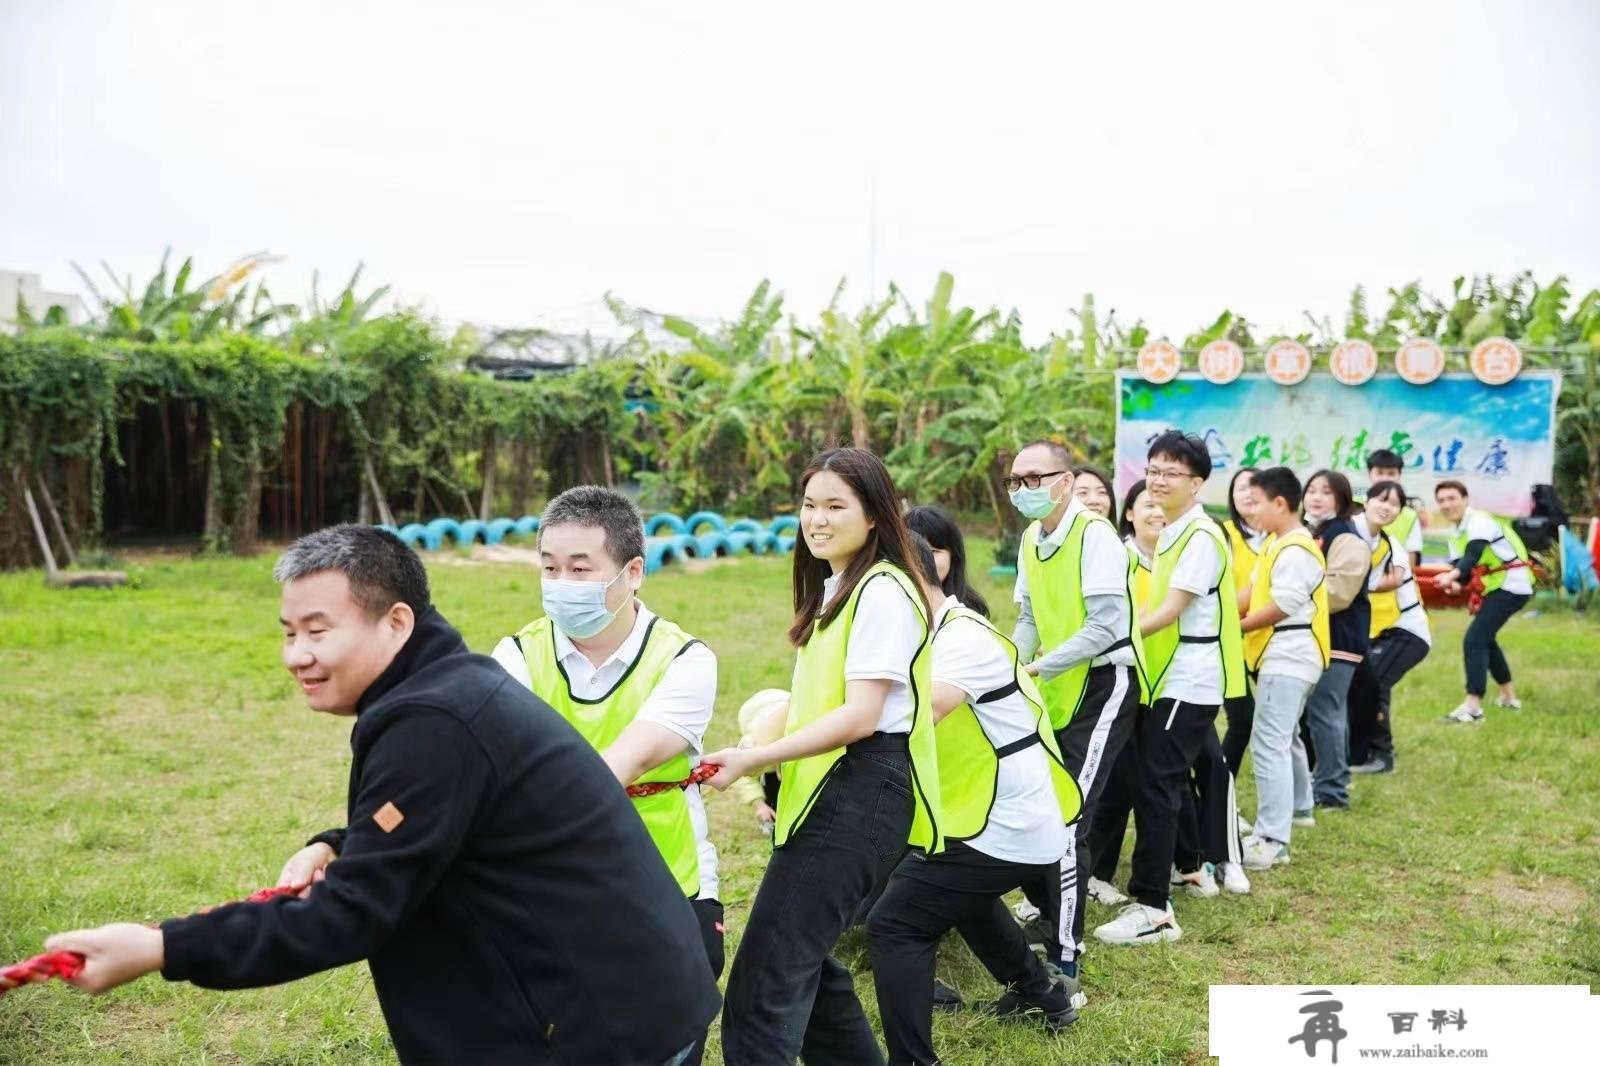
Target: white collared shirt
1025, 820
1195, 674
682, 701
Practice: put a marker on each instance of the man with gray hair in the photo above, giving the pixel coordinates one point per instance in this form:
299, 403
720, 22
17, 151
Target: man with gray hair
491, 872
637, 687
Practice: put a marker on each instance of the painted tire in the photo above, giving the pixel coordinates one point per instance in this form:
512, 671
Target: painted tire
472, 532
693, 523
786, 524
746, 525
418, 537
664, 523
713, 545
497, 530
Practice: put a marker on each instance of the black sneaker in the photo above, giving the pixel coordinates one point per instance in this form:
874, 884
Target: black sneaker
945, 997
1052, 1009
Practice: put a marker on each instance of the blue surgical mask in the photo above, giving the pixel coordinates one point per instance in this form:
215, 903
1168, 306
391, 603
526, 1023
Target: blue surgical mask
1034, 504
578, 608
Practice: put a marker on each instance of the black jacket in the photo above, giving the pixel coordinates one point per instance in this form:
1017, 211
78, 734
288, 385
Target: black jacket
516, 911
1347, 629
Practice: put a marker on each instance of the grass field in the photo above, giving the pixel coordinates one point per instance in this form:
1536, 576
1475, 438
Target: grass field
155, 759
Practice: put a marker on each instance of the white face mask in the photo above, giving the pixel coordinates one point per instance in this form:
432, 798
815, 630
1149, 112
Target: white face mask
578, 608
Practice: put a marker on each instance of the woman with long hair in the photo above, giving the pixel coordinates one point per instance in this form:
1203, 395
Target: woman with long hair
859, 777
1245, 541
1401, 638
1092, 486
1328, 506
949, 555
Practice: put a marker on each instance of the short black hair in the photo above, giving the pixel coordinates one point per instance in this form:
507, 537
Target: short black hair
1384, 459
1278, 482
381, 568
608, 509
1056, 448
1458, 486
1185, 448
1381, 489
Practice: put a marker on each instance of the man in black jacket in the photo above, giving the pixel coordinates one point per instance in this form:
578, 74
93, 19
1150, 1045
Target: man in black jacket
492, 872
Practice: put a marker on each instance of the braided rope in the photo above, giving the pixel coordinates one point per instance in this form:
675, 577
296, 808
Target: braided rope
701, 774
69, 964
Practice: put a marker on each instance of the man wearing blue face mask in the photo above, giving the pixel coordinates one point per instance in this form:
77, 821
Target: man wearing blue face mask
1076, 611
635, 685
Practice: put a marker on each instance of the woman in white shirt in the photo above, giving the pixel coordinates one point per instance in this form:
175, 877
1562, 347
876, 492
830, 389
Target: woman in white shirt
1401, 637
859, 778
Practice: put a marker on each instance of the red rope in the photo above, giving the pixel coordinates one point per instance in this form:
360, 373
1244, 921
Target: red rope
1475, 586
702, 773
69, 964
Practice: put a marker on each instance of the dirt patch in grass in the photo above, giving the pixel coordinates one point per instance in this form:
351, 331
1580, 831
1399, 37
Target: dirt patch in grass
1549, 897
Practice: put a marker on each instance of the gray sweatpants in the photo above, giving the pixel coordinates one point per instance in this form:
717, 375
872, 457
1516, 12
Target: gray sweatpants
1283, 781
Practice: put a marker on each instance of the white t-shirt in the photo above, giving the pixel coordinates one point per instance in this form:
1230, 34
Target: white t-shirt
1479, 526
1413, 617
681, 701
1104, 570
884, 638
1296, 573
1025, 822
1195, 674
1413, 535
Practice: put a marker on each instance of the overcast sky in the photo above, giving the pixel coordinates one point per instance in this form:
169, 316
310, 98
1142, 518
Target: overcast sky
511, 162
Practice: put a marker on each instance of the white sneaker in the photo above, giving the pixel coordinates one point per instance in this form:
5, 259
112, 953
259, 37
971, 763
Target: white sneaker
1025, 911
1200, 882
1510, 705
1138, 924
1465, 713
1306, 819
1263, 854
1245, 828
1105, 892
1234, 879
1176, 878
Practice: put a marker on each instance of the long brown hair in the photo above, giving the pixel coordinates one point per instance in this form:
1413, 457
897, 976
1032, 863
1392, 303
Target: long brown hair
887, 541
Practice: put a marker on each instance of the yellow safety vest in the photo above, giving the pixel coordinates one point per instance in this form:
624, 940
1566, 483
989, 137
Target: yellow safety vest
1386, 606
1162, 645
601, 721
1055, 593
1256, 641
819, 687
1244, 557
1492, 580
969, 762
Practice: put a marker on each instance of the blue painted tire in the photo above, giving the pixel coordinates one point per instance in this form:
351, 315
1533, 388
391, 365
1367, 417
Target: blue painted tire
418, 537
785, 524
785, 542
693, 523
472, 532
741, 542
441, 528
528, 523
766, 542
746, 525
665, 523
713, 545
661, 552
688, 547
497, 530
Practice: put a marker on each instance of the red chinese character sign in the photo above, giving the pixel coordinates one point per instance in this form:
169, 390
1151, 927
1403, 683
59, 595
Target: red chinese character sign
1288, 362
1353, 363
1159, 362
1496, 361
1221, 361
1419, 361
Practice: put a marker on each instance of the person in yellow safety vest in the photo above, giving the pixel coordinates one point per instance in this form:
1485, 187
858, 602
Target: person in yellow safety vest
1244, 541
1007, 801
1286, 644
1484, 540
1386, 465
1075, 631
858, 767
1401, 637
633, 684
1193, 661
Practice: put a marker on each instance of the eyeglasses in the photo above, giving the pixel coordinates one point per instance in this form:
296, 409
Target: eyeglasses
1156, 473
1032, 481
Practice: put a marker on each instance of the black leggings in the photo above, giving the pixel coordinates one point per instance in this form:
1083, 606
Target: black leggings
1241, 712
1480, 651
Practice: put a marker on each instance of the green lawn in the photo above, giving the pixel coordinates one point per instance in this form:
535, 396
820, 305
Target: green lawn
155, 759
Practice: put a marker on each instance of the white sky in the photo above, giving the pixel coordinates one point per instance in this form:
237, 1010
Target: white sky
506, 162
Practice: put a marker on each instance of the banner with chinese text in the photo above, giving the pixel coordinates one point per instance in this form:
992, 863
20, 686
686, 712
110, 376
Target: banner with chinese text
1499, 440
